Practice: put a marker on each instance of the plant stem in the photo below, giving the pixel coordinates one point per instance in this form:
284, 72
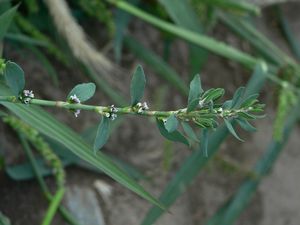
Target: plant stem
63, 211
53, 206
181, 114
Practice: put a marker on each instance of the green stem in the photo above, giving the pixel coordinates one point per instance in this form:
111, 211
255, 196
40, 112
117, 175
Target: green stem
53, 206
193, 37
63, 211
181, 114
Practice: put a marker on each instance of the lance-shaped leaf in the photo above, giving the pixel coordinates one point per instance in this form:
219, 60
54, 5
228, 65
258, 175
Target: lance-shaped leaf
173, 136
137, 85
102, 133
83, 91
14, 77
213, 94
194, 94
231, 129
245, 125
171, 123
236, 100
189, 131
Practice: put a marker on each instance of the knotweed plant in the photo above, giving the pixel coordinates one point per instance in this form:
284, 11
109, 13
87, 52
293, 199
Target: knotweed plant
203, 109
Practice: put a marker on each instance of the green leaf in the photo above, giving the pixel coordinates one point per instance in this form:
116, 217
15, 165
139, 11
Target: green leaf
14, 77
231, 129
246, 125
157, 64
49, 126
213, 94
204, 142
5, 20
189, 131
102, 133
171, 123
83, 91
194, 94
137, 85
250, 101
173, 136
186, 174
237, 97
193, 164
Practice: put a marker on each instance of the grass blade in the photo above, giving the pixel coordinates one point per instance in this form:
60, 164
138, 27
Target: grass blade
195, 162
49, 126
204, 41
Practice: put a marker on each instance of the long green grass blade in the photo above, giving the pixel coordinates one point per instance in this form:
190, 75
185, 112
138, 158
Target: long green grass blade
204, 41
5, 20
235, 206
183, 14
49, 126
288, 33
156, 63
196, 161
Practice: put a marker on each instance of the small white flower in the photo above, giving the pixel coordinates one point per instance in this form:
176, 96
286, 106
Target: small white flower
76, 112
75, 99
139, 105
113, 109
107, 115
113, 116
140, 110
28, 93
145, 106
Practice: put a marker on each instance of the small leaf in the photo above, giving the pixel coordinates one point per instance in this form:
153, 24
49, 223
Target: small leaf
173, 136
83, 91
189, 131
231, 129
171, 123
204, 142
194, 94
102, 133
237, 97
246, 125
227, 104
249, 101
137, 85
213, 94
14, 77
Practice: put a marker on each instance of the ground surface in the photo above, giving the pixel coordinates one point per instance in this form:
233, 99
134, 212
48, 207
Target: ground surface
136, 141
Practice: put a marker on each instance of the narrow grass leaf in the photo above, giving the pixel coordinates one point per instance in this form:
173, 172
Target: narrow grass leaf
14, 77
173, 136
83, 91
204, 142
137, 85
49, 126
195, 162
102, 134
157, 64
5, 20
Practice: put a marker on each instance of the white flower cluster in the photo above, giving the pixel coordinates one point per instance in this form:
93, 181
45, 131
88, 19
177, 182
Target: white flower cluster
142, 107
75, 100
112, 114
27, 96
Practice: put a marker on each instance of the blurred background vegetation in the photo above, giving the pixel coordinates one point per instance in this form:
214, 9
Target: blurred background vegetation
230, 43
